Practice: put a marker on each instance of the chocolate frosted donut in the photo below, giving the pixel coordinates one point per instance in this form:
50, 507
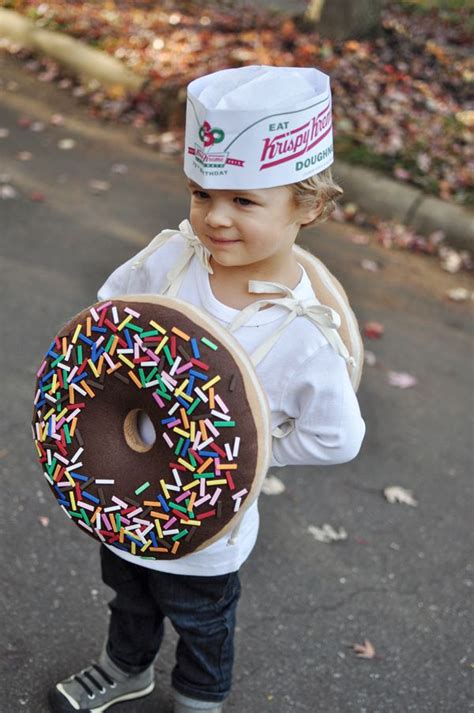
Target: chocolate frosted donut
166, 358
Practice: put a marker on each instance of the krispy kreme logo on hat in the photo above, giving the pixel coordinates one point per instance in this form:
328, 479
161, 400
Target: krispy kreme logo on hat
292, 144
240, 133
211, 159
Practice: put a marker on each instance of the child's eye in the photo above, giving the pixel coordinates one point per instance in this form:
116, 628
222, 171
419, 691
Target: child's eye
244, 201
200, 194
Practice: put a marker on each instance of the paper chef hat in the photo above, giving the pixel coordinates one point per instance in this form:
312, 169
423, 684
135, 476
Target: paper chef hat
258, 127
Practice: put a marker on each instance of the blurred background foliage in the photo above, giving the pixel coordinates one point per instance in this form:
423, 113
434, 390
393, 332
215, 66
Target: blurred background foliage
402, 95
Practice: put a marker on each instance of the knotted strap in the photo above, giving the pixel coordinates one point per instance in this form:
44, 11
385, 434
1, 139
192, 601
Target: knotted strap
193, 246
325, 318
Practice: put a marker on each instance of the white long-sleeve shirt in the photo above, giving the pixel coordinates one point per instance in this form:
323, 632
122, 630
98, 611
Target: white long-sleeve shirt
304, 379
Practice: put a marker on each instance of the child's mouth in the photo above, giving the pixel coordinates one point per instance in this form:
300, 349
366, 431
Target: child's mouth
222, 241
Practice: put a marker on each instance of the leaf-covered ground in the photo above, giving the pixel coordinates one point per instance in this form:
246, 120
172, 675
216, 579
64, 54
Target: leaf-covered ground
402, 101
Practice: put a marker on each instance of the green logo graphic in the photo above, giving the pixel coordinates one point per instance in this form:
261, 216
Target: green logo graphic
209, 136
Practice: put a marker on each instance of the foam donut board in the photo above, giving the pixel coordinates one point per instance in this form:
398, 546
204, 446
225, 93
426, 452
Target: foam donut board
211, 417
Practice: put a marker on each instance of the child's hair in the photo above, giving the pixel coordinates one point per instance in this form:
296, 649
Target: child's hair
320, 188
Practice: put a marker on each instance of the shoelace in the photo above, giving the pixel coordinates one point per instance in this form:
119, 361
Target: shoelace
87, 674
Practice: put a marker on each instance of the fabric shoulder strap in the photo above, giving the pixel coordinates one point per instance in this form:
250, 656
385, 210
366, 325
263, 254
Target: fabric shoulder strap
193, 246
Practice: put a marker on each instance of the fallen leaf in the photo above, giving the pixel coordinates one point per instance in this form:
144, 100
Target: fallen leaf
38, 197
99, 186
401, 173
66, 144
327, 533
373, 330
151, 139
24, 155
369, 358
8, 193
401, 379
370, 265
350, 210
167, 137
56, 119
392, 234
451, 260
365, 650
466, 118
37, 126
120, 168
117, 91
459, 294
44, 520
436, 237
273, 485
360, 239
397, 494
4, 133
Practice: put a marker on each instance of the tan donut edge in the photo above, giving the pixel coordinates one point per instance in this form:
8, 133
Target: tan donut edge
330, 292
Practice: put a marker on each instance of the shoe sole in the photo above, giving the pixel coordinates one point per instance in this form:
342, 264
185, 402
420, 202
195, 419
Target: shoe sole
62, 703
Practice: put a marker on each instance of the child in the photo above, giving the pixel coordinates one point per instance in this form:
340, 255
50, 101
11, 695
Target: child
257, 156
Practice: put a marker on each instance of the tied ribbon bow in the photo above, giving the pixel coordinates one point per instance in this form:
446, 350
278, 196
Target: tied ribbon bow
325, 318
193, 247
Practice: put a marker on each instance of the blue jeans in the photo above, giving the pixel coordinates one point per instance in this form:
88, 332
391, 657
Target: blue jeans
201, 609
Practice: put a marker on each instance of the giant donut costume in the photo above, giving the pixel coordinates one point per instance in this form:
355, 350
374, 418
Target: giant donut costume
166, 357
210, 414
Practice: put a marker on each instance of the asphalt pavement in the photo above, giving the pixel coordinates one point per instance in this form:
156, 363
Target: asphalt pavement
403, 579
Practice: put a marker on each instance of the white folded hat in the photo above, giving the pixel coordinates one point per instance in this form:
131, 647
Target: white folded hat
258, 127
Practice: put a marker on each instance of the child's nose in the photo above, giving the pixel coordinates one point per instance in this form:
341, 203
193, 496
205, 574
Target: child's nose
217, 215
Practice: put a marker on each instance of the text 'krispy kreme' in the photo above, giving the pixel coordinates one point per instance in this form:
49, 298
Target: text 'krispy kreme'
289, 145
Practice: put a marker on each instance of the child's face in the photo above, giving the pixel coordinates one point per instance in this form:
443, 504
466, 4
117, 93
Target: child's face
245, 227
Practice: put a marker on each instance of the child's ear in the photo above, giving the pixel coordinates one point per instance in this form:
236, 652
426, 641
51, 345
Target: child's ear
309, 214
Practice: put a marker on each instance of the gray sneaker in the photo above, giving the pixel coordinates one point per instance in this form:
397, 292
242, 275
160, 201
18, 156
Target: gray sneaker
99, 686
183, 704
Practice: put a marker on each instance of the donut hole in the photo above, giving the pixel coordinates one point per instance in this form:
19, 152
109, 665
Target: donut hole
139, 431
